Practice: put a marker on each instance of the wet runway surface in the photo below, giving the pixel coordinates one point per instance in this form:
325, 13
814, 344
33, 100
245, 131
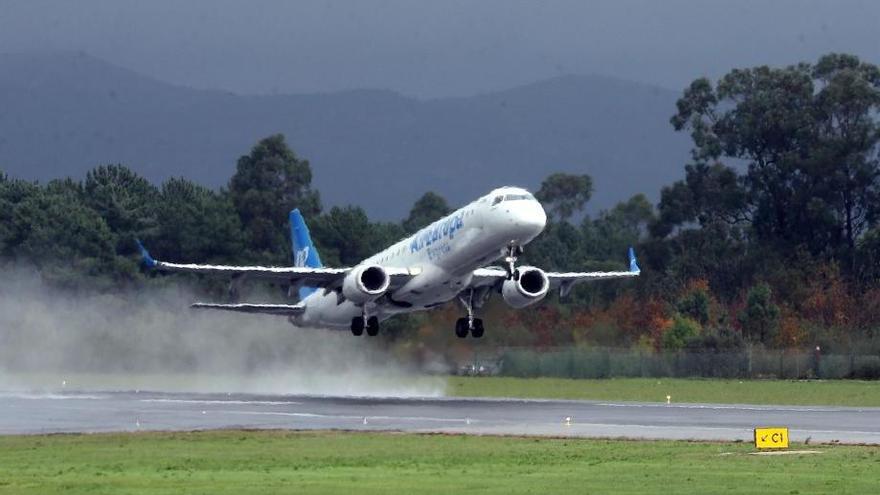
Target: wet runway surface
129, 411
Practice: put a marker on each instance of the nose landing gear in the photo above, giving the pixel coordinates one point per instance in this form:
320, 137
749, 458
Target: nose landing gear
513, 252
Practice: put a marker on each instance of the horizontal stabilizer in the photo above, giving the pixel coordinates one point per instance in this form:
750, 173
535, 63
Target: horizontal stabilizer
267, 309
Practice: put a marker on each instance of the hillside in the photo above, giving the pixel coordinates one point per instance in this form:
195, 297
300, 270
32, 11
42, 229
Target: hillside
65, 113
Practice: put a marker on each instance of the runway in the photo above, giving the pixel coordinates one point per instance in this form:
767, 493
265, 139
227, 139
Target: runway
131, 411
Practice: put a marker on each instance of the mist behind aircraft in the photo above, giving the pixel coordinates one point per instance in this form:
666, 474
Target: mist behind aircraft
53, 340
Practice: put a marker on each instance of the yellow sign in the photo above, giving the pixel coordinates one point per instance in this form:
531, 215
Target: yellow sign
771, 438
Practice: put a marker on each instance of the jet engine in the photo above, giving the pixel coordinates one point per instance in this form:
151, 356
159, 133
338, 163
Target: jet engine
528, 286
365, 283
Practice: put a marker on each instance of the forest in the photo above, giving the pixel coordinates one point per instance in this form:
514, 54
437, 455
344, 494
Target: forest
771, 239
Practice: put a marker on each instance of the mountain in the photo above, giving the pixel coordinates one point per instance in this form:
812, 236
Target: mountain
63, 113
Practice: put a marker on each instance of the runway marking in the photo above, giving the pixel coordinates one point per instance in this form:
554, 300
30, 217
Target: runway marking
657, 427
30, 396
741, 407
347, 416
503, 424
107, 411
206, 401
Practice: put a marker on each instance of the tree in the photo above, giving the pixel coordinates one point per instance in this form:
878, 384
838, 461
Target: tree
64, 237
430, 207
564, 194
695, 303
867, 259
196, 223
558, 247
708, 194
385, 234
682, 330
13, 228
125, 200
607, 237
345, 235
809, 137
848, 132
762, 116
760, 318
268, 183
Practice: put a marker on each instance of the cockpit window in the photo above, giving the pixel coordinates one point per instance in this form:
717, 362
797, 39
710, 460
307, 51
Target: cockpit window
497, 200
517, 197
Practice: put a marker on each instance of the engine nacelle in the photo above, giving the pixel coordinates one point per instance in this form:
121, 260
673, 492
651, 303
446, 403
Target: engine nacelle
365, 283
528, 286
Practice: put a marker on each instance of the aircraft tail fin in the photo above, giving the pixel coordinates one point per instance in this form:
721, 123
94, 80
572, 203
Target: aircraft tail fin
304, 252
633, 265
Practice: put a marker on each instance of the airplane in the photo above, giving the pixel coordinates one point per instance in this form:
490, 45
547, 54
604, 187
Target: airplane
444, 261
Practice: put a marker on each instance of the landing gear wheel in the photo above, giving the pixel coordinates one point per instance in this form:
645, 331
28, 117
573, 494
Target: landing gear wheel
372, 326
477, 330
357, 326
461, 328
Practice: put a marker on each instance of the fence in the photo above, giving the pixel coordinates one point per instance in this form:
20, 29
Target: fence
600, 362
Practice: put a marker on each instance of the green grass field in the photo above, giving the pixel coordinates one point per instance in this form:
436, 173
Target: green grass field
337, 462
835, 392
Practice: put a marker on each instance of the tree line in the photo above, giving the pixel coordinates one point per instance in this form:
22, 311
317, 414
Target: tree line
771, 238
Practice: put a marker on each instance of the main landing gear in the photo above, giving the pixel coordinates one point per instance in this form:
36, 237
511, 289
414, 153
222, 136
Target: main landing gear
359, 324
468, 324
463, 326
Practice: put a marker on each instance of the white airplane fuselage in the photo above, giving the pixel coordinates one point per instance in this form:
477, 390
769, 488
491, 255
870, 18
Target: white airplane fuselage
443, 256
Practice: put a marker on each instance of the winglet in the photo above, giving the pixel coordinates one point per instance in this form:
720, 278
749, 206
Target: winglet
146, 259
633, 265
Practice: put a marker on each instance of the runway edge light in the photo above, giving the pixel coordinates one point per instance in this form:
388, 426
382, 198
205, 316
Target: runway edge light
771, 437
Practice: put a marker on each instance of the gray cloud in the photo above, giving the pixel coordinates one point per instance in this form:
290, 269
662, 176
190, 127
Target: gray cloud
454, 47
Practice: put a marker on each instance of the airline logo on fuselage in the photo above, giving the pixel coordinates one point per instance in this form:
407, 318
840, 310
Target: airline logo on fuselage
435, 233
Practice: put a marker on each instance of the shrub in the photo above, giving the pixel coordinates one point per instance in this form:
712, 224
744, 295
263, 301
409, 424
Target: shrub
680, 332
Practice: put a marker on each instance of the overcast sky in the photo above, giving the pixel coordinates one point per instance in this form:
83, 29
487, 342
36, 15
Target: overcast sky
437, 48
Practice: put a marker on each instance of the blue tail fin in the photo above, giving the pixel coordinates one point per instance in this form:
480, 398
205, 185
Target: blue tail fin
633, 265
304, 252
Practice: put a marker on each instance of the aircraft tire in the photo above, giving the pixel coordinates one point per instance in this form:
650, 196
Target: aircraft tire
461, 328
373, 326
357, 326
477, 331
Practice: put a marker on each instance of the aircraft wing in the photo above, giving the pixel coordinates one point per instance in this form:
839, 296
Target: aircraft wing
564, 281
300, 275
267, 309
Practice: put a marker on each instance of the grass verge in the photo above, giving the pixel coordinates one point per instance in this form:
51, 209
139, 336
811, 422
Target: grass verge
343, 462
832, 393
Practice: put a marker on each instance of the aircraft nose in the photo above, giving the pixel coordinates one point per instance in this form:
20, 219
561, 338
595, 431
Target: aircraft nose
531, 216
